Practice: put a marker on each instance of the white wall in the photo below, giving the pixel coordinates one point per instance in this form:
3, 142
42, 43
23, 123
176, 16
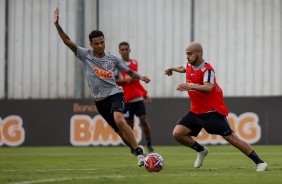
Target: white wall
40, 65
158, 32
2, 48
90, 25
241, 38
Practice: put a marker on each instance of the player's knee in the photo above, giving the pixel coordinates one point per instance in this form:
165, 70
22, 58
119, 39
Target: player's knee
119, 119
232, 139
143, 120
176, 135
119, 122
227, 138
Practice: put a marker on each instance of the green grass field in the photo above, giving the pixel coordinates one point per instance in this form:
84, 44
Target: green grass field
98, 165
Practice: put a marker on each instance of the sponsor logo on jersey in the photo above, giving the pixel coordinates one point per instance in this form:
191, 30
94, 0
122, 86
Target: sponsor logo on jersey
103, 73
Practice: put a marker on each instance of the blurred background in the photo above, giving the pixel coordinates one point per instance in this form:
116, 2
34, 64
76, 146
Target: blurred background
42, 83
241, 39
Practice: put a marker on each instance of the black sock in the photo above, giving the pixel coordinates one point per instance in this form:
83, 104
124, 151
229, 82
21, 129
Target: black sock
255, 157
197, 147
132, 150
149, 143
138, 151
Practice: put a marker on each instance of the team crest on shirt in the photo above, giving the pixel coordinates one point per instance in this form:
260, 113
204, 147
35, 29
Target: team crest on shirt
203, 69
109, 65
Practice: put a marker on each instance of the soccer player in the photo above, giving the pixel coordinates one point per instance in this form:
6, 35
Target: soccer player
134, 94
99, 67
207, 110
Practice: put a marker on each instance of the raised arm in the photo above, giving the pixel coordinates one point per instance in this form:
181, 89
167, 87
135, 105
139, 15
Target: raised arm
62, 34
179, 69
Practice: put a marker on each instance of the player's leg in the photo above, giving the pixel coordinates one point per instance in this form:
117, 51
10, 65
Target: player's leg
119, 132
129, 118
238, 143
187, 127
245, 148
147, 132
130, 122
111, 110
218, 124
129, 115
181, 135
129, 136
117, 109
125, 129
140, 111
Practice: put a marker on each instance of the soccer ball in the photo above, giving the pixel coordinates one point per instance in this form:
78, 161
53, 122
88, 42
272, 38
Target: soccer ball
154, 162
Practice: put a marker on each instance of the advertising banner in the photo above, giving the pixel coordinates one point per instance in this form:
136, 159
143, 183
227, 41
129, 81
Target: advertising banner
256, 120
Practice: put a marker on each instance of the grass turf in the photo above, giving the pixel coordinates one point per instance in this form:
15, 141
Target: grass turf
73, 165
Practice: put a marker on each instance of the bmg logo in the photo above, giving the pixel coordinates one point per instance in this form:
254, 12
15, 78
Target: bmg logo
85, 131
11, 131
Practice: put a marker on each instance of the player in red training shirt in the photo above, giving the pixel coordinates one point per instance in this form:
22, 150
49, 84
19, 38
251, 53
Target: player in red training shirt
134, 94
207, 110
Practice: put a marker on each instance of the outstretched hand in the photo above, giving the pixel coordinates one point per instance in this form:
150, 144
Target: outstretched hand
145, 79
168, 72
184, 87
56, 16
147, 99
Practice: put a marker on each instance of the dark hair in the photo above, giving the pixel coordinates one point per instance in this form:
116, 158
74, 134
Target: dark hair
123, 43
94, 34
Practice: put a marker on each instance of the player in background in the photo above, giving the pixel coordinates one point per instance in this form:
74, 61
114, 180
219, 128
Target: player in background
99, 67
135, 95
207, 110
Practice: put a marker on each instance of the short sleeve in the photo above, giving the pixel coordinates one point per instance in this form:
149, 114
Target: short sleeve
185, 66
121, 65
118, 74
81, 53
134, 65
209, 76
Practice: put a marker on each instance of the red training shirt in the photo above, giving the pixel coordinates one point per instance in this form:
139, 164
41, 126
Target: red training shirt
134, 89
202, 102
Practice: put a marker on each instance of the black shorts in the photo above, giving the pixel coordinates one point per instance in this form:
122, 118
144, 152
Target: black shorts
212, 122
134, 108
108, 106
